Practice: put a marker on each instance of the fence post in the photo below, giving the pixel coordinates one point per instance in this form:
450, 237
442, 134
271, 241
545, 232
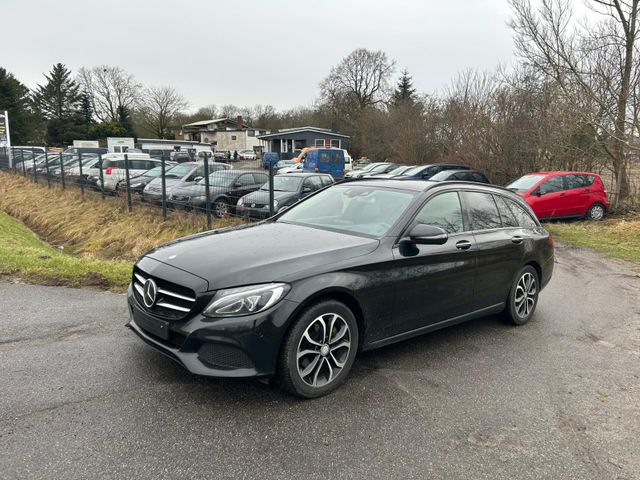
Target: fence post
62, 171
33, 164
12, 152
271, 206
101, 175
207, 193
164, 188
126, 174
46, 166
24, 170
81, 181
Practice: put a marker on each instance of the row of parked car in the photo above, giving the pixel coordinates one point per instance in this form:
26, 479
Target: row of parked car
551, 195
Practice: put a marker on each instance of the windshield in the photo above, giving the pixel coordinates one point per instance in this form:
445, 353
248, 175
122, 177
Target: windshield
180, 171
380, 168
220, 178
154, 172
284, 184
525, 183
414, 170
358, 209
399, 170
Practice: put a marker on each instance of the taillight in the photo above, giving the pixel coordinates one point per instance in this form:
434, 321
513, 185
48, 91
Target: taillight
108, 170
317, 170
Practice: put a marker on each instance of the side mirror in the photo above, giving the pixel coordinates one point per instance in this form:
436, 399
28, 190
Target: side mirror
306, 190
428, 235
197, 179
537, 192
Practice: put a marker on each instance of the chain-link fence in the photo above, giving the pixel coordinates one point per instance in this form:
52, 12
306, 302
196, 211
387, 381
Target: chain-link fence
215, 187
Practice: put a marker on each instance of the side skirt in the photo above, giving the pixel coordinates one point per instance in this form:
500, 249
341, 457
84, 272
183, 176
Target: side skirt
483, 312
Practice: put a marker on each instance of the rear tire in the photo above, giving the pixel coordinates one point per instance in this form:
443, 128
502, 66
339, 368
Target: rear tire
523, 297
319, 350
596, 212
220, 208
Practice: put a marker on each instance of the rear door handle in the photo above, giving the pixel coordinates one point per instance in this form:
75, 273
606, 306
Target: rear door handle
463, 245
518, 240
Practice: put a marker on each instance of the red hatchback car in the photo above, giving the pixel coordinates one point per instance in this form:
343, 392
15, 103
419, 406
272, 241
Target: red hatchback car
563, 194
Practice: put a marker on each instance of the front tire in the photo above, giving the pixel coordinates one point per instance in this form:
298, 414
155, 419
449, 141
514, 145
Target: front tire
319, 350
596, 212
220, 208
523, 297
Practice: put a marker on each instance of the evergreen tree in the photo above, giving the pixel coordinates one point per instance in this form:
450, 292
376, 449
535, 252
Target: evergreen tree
14, 98
60, 97
404, 92
125, 121
86, 110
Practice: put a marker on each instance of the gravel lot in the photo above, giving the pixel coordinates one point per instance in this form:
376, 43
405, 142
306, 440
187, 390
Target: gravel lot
82, 397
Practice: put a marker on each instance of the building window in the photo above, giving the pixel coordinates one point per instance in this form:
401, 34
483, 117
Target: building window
335, 143
233, 137
319, 143
251, 133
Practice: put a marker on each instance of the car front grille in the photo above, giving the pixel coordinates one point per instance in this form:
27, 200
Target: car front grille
173, 301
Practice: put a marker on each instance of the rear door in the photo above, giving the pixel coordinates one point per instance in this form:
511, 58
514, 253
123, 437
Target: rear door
499, 248
435, 282
579, 193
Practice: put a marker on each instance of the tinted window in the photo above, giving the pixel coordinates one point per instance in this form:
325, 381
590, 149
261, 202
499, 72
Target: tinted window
260, 177
479, 177
326, 180
578, 181
554, 184
508, 217
313, 183
337, 158
442, 211
483, 211
522, 216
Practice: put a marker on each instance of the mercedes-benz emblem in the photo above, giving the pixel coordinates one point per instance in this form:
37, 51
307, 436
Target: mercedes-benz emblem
149, 293
253, 205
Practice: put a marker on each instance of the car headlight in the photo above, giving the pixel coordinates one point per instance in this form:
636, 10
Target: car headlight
235, 302
275, 205
240, 202
135, 185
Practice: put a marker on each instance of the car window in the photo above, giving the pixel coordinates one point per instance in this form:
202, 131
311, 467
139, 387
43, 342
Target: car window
313, 183
552, 185
578, 181
522, 216
442, 211
431, 171
326, 180
508, 217
337, 158
483, 211
246, 179
479, 177
260, 178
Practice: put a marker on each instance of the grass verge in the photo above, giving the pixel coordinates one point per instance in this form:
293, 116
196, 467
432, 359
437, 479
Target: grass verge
25, 257
614, 236
88, 225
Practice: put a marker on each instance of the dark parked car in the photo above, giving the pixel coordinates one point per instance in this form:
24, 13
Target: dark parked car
225, 189
179, 176
425, 172
138, 183
288, 189
352, 267
463, 175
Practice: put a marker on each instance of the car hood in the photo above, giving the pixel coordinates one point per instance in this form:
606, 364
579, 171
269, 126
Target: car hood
169, 183
260, 253
196, 190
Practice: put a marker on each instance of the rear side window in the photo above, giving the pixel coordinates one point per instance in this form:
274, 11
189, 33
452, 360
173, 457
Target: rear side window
246, 179
312, 183
479, 177
261, 178
522, 216
578, 181
326, 180
508, 217
442, 211
482, 210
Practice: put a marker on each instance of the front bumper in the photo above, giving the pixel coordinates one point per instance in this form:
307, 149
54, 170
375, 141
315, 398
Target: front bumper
223, 347
262, 212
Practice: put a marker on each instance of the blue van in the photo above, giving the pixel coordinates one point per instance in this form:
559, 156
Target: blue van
325, 160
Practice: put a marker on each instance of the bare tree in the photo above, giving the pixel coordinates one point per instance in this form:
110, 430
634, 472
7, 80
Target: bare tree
158, 106
110, 89
361, 78
595, 66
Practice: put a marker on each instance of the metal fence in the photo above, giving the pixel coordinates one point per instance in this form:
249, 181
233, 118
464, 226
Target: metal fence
216, 188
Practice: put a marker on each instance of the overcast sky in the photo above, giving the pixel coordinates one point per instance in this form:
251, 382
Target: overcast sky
252, 51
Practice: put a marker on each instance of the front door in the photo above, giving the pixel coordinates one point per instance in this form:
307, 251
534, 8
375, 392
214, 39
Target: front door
435, 282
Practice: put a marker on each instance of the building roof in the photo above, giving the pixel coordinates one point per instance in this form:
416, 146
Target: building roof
207, 122
289, 131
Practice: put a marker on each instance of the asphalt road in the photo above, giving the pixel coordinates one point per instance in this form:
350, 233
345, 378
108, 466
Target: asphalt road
82, 397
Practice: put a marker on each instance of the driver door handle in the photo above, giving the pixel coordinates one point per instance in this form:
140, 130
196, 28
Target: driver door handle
463, 245
517, 239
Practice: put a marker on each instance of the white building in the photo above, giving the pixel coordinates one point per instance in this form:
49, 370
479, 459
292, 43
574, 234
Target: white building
225, 134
